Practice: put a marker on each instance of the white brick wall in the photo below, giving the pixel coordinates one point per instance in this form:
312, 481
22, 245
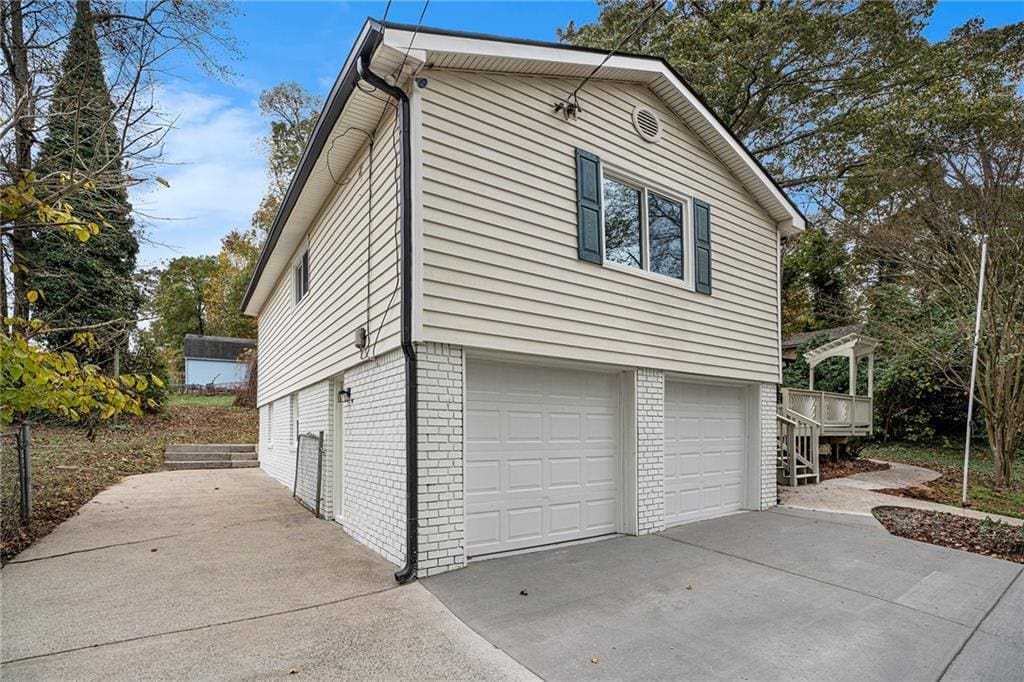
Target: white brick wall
650, 450
769, 425
439, 427
277, 450
373, 477
311, 406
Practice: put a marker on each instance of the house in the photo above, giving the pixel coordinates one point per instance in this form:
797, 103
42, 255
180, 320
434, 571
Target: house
216, 361
554, 318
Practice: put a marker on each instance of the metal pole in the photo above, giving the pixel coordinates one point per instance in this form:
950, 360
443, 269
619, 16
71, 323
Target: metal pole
25, 473
974, 366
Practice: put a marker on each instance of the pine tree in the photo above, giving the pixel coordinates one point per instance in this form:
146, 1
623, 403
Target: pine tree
90, 282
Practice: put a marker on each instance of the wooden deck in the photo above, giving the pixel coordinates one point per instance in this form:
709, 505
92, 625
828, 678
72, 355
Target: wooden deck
839, 414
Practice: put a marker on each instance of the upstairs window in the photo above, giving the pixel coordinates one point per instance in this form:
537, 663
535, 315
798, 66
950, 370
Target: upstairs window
300, 275
643, 229
624, 223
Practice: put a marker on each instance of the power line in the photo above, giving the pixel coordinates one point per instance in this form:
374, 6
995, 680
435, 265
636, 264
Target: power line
571, 104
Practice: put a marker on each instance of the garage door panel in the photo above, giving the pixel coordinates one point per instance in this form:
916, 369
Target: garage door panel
705, 450
483, 476
554, 436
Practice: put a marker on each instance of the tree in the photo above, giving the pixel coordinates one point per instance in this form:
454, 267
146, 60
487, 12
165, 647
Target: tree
135, 38
180, 303
292, 112
226, 286
815, 284
89, 282
798, 82
967, 185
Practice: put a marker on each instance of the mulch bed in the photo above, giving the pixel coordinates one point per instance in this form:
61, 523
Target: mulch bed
987, 537
849, 467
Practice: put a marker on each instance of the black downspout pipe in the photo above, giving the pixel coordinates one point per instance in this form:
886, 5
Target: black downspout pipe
407, 572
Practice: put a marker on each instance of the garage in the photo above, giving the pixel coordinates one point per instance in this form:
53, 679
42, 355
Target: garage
542, 461
705, 450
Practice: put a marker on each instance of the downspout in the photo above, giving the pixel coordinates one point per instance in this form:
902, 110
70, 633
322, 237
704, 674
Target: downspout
407, 572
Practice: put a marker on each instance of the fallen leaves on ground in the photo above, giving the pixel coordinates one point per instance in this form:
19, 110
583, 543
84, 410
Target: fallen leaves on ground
980, 536
848, 467
68, 469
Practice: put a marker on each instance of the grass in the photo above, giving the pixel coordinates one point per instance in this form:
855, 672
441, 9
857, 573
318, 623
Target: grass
68, 469
197, 400
947, 459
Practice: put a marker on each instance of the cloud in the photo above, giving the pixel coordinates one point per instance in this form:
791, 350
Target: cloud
216, 172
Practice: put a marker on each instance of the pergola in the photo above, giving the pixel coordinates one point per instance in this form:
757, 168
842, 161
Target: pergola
853, 347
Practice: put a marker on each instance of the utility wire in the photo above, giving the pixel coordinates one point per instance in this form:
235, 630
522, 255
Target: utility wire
408, 48
573, 100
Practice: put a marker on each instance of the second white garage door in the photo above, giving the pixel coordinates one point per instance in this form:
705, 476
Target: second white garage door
542, 455
705, 450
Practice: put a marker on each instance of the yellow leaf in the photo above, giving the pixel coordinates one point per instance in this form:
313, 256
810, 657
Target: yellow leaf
162, 181
32, 296
82, 234
157, 381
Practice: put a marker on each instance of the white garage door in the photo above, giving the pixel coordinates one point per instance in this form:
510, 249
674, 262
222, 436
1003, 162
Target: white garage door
542, 462
705, 450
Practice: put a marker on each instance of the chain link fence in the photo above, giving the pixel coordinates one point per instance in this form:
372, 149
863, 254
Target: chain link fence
309, 469
15, 482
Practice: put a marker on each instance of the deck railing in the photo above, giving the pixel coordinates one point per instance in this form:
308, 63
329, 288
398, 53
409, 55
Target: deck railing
798, 460
839, 414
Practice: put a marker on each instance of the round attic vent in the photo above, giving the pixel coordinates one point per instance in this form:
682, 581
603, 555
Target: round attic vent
647, 123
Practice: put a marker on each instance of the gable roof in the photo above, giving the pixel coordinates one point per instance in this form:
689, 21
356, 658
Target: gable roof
215, 347
390, 47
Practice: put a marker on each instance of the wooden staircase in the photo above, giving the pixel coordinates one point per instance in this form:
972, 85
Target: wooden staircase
796, 454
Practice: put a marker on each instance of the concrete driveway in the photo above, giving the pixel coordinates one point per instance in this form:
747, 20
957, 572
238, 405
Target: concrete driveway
219, 574
784, 594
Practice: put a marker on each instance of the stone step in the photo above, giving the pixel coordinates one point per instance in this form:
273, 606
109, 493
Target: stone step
213, 464
207, 456
210, 447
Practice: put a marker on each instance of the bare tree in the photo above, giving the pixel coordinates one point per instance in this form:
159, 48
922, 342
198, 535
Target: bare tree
136, 40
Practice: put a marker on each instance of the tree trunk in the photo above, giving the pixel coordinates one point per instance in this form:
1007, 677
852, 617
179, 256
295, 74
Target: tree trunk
1002, 439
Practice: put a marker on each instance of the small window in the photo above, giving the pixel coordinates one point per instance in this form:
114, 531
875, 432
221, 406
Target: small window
270, 424
643, 229
293, 410
301, 276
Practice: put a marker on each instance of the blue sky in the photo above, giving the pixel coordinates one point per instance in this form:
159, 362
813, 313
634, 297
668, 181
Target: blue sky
215, 164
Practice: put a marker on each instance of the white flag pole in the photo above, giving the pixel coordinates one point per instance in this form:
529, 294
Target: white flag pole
974, 366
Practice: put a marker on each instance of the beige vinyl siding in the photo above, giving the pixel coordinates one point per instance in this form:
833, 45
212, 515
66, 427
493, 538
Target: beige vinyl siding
499, 248
300, 344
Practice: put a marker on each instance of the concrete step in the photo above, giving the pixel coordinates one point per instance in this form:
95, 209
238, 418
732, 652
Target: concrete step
209, 447
212, 464
207, 456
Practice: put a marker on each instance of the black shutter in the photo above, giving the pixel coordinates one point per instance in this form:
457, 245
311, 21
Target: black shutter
702, 246
588, 207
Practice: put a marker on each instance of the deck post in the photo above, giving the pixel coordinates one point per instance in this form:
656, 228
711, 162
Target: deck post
853, 373
810, 382
871, 374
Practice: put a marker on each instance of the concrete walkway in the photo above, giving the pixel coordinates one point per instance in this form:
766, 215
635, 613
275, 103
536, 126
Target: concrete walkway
219, 574
778, 595
856, 494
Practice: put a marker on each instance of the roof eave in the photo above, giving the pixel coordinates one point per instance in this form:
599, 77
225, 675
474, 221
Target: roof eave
369, 38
